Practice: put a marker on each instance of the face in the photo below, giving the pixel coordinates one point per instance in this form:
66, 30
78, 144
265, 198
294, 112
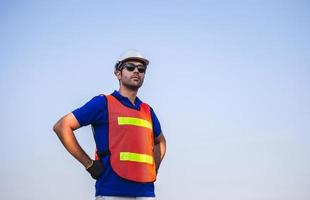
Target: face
129, 76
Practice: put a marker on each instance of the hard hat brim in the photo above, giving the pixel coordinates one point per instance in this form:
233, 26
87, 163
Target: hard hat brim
145, 61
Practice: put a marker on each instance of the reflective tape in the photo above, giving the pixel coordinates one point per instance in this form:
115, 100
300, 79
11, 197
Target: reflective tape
136, 157
134, 121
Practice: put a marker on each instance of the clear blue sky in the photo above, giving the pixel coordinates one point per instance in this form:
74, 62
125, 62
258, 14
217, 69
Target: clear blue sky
229, 81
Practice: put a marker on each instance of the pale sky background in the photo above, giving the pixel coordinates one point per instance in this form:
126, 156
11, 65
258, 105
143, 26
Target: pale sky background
228, 80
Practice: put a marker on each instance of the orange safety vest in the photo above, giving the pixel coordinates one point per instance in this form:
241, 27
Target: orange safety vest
131, 141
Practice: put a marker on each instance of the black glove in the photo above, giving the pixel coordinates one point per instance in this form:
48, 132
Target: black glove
95, 169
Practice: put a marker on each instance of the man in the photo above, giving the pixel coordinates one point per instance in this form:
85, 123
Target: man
127, 133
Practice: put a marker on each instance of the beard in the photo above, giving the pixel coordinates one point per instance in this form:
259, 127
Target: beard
132, 85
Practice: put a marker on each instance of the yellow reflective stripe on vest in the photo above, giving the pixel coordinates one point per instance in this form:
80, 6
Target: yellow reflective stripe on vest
136, 157
134, 121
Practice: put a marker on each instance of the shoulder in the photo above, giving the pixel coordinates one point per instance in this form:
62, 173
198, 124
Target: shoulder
146, 105
91, 112
101, 98
156, 124
97, 102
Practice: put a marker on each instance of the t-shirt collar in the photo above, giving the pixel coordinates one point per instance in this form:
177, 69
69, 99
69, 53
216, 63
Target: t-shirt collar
126, 101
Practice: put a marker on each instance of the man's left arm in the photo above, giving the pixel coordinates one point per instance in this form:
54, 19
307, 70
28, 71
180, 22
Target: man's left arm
159, 149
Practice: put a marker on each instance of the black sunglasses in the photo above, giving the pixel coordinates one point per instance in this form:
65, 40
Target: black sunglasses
130, 67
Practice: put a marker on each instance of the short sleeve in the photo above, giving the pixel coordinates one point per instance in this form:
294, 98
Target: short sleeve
156, 124
93, 112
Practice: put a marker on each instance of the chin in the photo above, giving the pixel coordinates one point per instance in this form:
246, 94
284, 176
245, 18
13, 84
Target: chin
134, 87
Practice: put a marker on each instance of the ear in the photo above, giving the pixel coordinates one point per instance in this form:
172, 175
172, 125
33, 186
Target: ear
118, 74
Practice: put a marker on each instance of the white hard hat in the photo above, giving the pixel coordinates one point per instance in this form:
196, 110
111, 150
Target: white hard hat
131, 54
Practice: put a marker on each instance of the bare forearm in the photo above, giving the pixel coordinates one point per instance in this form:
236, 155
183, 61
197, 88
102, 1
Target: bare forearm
159, 155
66, 135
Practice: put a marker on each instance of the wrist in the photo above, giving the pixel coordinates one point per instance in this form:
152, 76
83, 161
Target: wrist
96, 169
89, 164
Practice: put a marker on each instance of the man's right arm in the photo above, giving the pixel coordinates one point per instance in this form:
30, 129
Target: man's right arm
64, 129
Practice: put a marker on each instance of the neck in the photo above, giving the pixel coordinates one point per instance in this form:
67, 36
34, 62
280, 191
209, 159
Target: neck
130, 94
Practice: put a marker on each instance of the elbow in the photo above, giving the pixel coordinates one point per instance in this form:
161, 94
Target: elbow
65, 124
55, 128
58, 127
160, 139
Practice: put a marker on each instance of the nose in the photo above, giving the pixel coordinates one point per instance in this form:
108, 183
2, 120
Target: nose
136, 69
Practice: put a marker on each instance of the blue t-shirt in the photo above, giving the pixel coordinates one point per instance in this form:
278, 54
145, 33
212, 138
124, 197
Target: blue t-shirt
95, 112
